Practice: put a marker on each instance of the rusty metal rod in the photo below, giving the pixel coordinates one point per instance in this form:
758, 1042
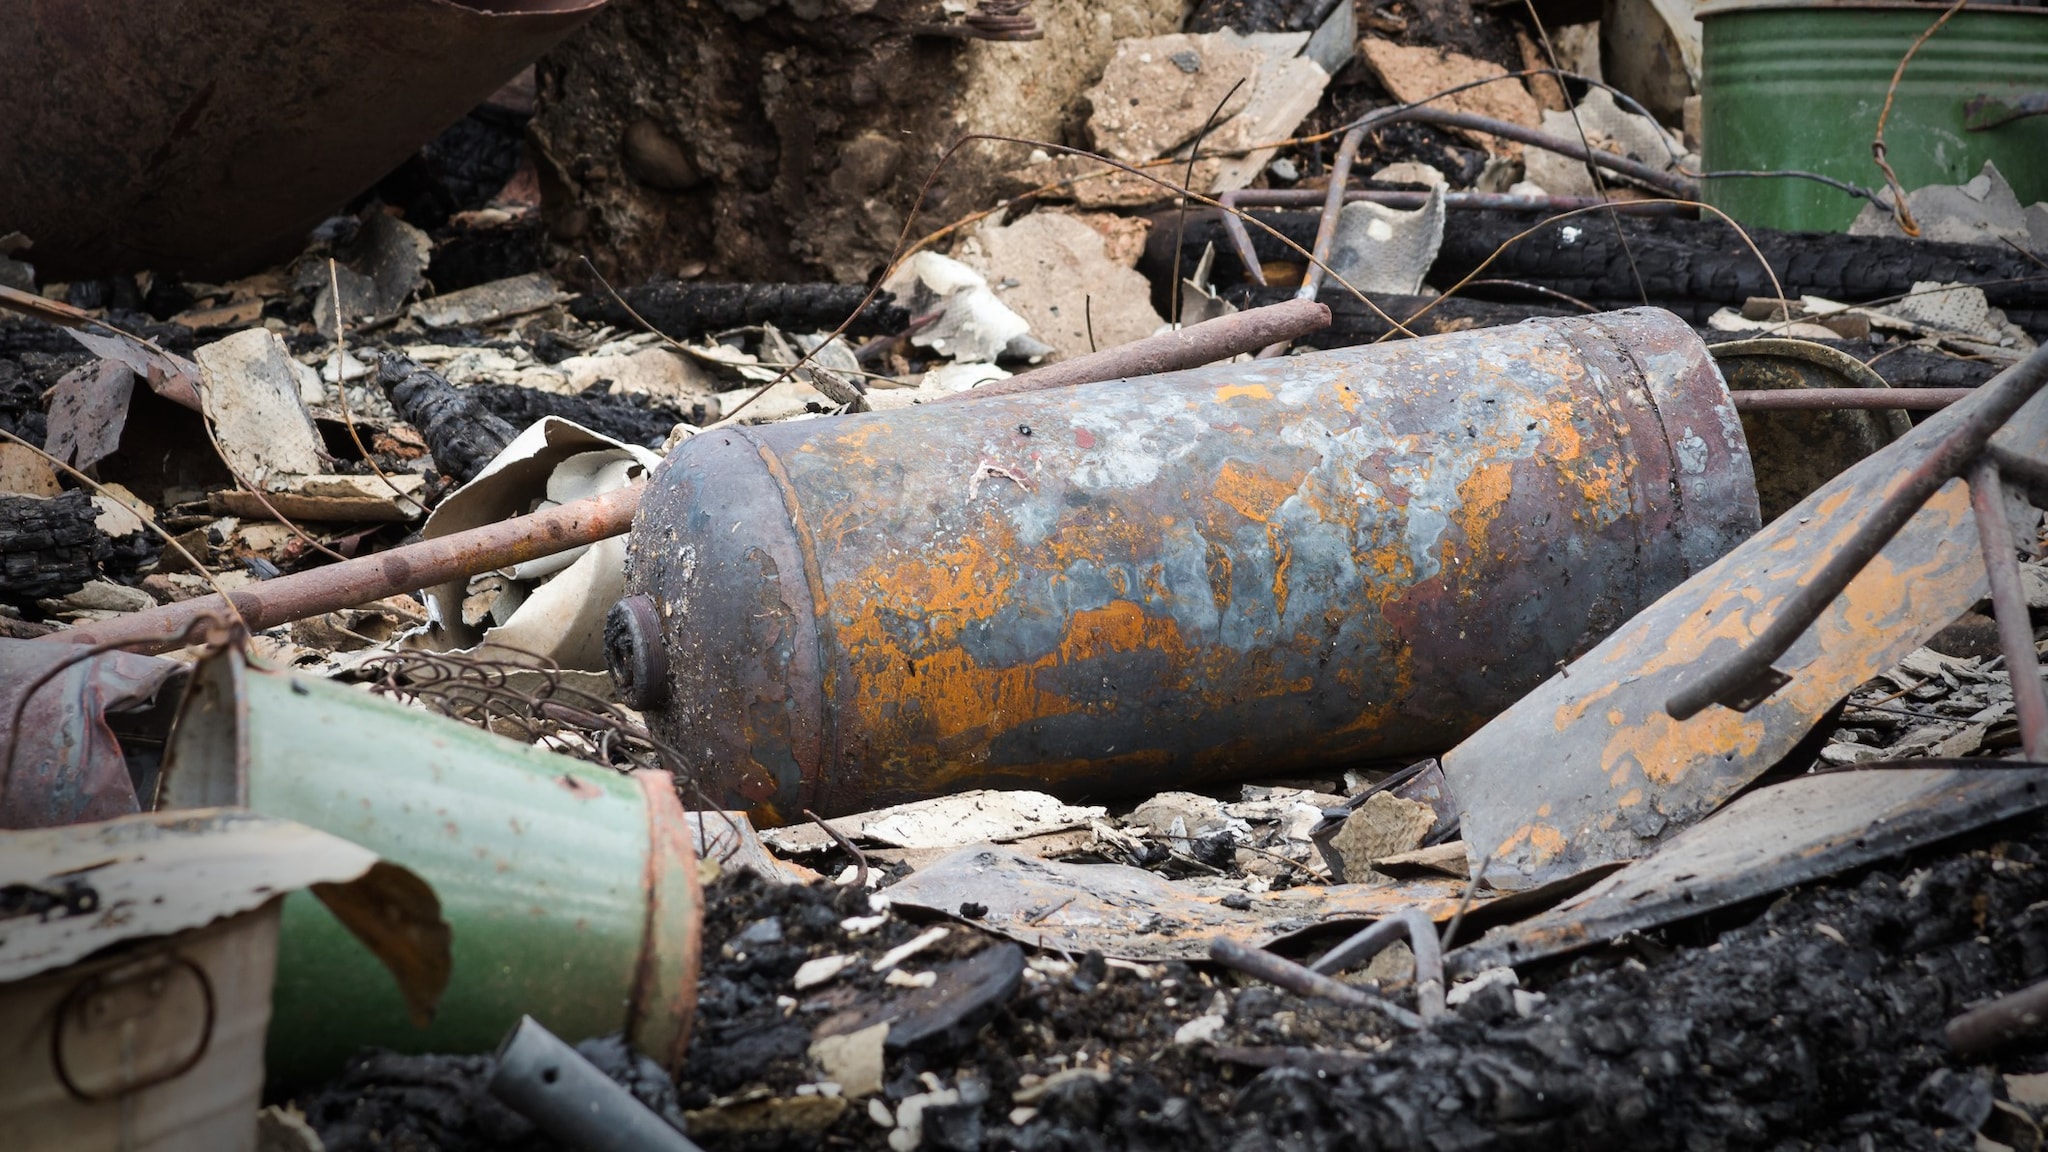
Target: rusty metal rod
1665, 182
1326, 229
1746, 679
1241, 239
1989, 1027
2009, 607
1190, 347
1843, 399
1285, 973
2029, 472
1422, 943
366, 578
522, 538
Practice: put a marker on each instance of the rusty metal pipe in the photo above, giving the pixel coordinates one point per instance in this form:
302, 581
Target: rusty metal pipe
1841, 399
1326, 229
366, 578
2009, 608
1284, 973
1190, 347
1422, 943
1253, 568
523, 538
1746, 679
1241, 239
1983, 1030
1672, 185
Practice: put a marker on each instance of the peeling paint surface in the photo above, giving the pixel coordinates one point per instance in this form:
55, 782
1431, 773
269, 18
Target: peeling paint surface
1239, 570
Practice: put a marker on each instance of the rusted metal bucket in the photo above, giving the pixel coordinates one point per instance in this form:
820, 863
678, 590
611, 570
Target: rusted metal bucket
571, 891
207, 137
1239, 570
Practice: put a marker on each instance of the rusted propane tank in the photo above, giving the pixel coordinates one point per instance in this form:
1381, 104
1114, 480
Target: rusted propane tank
1236, 571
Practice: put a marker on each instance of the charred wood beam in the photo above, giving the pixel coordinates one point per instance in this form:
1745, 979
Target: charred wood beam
687, 311
461, 431
629, 418
1678, 259
48, 547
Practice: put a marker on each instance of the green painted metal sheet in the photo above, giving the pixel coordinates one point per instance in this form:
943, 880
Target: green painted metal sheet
541, 864
1801, 86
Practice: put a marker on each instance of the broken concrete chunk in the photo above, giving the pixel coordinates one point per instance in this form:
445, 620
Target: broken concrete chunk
1608, 129
1417, 73
853, 1061
1184, 814
1157, 93
1286, 89
250, 391
1057, 276
1385, 825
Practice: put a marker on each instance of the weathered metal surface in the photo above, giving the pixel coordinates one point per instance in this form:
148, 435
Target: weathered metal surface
1770, 840
570, 890
1796, 452
1131, 585
1618, 773
62, 764
2009, 605
1133, 914
208, 137
1801, 85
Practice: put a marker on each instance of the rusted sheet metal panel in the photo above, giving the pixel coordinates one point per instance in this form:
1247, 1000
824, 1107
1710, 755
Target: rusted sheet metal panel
1235, 570
1590, 768
1770, 840
207, 137
63, 764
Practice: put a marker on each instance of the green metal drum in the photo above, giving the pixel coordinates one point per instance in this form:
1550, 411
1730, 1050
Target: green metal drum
571, 891
1800, 86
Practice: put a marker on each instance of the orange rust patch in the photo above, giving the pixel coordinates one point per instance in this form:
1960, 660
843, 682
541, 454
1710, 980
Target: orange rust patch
1253, 493
1231, 392
1545, 843
1482, 498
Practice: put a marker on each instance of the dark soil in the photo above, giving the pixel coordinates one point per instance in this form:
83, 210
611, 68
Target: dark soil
1814, 1023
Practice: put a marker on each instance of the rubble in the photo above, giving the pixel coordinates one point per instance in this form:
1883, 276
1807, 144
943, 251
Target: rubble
840, 630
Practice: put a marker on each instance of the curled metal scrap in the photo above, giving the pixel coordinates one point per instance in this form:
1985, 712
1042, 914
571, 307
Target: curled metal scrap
1772, 839
208, 137
61, 763
1616, 773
